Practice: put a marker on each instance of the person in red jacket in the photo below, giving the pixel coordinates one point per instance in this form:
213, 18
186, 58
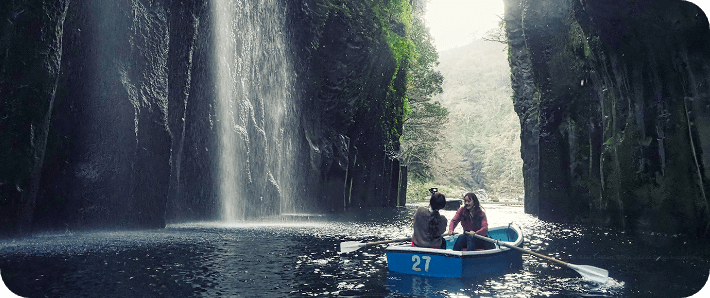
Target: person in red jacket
429, 224
473, 220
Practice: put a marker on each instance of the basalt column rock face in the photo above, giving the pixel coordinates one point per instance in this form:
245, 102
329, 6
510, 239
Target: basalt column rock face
108, 159
192, 191
99, 140
526, 97
345, 67
613, 99
113, 114
32, 46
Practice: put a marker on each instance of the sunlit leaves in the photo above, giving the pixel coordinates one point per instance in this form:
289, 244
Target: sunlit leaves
422, 127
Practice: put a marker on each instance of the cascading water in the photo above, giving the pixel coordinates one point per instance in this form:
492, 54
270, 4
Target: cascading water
255, 109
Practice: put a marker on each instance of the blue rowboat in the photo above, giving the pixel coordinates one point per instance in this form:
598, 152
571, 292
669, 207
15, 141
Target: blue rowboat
449, 263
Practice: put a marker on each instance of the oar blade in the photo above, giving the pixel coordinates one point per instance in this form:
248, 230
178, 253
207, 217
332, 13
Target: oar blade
591, 273
350, 246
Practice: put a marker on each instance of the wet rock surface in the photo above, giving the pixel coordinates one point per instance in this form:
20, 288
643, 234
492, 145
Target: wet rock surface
108, 115
611, 97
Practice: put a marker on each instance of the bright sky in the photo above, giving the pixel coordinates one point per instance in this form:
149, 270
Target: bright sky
455, 23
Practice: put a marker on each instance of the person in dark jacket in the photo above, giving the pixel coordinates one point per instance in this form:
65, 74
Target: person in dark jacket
429, 225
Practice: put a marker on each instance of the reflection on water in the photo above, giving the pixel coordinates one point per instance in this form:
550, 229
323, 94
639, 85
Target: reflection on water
296, 255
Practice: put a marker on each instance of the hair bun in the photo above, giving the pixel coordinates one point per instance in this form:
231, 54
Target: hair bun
437, 201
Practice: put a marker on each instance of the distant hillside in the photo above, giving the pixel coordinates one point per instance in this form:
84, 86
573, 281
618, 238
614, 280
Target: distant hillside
483, 134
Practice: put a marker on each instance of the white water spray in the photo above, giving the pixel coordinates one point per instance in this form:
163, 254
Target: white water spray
254, 107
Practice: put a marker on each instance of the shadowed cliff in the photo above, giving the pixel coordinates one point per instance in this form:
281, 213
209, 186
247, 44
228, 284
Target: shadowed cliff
613, 100
108, 116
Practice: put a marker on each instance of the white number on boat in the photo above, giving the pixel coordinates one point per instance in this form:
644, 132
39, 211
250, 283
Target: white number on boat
416, 259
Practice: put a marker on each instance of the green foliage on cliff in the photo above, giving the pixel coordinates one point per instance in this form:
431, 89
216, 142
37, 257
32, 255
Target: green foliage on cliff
403, 106
396, 15
395, 18
424, 123
352, 67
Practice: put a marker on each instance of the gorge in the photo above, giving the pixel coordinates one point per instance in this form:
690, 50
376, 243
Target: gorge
135, 114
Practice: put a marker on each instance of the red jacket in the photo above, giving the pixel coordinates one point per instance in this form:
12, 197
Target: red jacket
468, 224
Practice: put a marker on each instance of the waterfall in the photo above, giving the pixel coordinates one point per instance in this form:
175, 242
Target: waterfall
254, 109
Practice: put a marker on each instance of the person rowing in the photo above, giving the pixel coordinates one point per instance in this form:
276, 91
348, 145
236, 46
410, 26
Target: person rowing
473, 220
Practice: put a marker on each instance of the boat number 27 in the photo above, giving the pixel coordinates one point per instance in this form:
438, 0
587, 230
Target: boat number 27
418, 260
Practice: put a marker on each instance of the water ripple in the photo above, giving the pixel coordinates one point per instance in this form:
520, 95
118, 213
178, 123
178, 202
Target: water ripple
277, 257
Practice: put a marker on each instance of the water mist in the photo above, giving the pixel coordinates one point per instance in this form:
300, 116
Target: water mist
254, 108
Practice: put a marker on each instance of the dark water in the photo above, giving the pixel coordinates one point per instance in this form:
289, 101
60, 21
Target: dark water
297, 256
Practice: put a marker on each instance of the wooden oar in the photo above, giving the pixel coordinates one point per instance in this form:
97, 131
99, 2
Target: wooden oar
350, 246
588, 272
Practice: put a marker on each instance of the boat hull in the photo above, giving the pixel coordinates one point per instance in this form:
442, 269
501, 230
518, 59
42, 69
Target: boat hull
448, 263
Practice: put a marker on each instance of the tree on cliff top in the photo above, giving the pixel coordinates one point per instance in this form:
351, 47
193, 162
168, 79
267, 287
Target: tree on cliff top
423, 124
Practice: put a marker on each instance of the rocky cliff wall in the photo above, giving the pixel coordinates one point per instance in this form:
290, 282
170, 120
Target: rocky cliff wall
613, 99
107, 114
350, 112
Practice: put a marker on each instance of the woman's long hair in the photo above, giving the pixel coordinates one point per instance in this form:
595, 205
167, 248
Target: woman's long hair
475, 215
437, 201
